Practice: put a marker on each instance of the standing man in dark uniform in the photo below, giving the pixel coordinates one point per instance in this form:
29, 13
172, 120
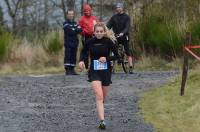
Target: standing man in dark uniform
71, 30
120, 23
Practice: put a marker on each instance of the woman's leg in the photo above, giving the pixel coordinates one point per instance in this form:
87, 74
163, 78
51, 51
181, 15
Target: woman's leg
97, 87
105, 92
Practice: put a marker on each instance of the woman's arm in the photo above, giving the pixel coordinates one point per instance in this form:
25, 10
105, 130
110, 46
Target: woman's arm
84, 51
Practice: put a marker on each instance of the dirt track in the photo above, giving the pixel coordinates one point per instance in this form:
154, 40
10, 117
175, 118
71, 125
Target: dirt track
58, 103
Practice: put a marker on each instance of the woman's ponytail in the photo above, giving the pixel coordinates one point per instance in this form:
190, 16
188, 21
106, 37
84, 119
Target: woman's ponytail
110, 34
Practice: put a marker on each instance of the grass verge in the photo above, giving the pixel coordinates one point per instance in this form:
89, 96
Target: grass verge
156, 63
167, 111
9, 69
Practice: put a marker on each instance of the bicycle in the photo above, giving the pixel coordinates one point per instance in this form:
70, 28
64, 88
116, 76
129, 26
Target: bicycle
123, 60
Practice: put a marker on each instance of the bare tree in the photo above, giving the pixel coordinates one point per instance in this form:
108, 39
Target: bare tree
101, 10
1, 16
82, 2
22, 17
46, 10
13, 8
130, 7
71, 4
64, 5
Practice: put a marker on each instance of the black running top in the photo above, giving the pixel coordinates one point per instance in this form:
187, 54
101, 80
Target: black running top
120, 23
99, 48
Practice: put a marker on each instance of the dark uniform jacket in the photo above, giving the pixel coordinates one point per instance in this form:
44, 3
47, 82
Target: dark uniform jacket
71, 29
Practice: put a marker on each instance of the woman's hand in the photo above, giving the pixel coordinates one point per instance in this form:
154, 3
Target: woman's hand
81, 65
102, 59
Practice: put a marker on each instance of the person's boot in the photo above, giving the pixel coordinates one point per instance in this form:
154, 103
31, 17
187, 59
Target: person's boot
72, 71
67, 71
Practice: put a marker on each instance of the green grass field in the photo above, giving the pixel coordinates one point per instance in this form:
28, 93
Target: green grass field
167, 111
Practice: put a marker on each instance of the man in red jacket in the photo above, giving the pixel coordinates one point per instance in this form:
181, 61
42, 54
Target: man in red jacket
87, 22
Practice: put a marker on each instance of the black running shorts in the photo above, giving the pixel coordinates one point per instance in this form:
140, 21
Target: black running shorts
100, 75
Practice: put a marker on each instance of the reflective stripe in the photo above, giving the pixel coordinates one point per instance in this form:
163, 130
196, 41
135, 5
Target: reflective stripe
65, 25
68, 64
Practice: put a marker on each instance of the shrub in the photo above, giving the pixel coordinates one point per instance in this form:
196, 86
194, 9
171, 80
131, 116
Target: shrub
195, 30
5, 39
53, 42
160, 37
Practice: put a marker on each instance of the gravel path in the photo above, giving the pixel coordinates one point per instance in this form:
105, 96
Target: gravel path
58, 103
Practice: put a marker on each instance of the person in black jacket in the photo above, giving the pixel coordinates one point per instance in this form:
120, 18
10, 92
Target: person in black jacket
99, 74
120, 23
71, 30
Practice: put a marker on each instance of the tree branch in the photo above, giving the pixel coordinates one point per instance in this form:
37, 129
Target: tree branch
17, 7
55, 4
10, 12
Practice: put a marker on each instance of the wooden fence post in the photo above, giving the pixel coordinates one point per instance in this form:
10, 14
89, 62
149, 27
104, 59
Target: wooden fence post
185, 63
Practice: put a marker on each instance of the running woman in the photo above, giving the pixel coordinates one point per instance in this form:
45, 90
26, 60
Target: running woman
99, 74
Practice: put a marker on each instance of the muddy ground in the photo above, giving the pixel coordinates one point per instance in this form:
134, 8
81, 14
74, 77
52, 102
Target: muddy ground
58, 103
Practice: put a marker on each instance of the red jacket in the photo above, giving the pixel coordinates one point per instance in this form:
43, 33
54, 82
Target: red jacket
87, 24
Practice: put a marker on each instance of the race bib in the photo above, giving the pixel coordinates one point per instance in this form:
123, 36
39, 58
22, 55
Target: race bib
100, 66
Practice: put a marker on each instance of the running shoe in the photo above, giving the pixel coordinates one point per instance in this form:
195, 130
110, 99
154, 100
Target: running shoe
102, 125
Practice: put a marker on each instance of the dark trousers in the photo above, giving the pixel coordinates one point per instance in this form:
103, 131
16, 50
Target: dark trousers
70, 57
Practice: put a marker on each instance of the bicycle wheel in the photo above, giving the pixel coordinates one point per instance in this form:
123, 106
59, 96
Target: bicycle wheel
124, 58
125, 64
113, 66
